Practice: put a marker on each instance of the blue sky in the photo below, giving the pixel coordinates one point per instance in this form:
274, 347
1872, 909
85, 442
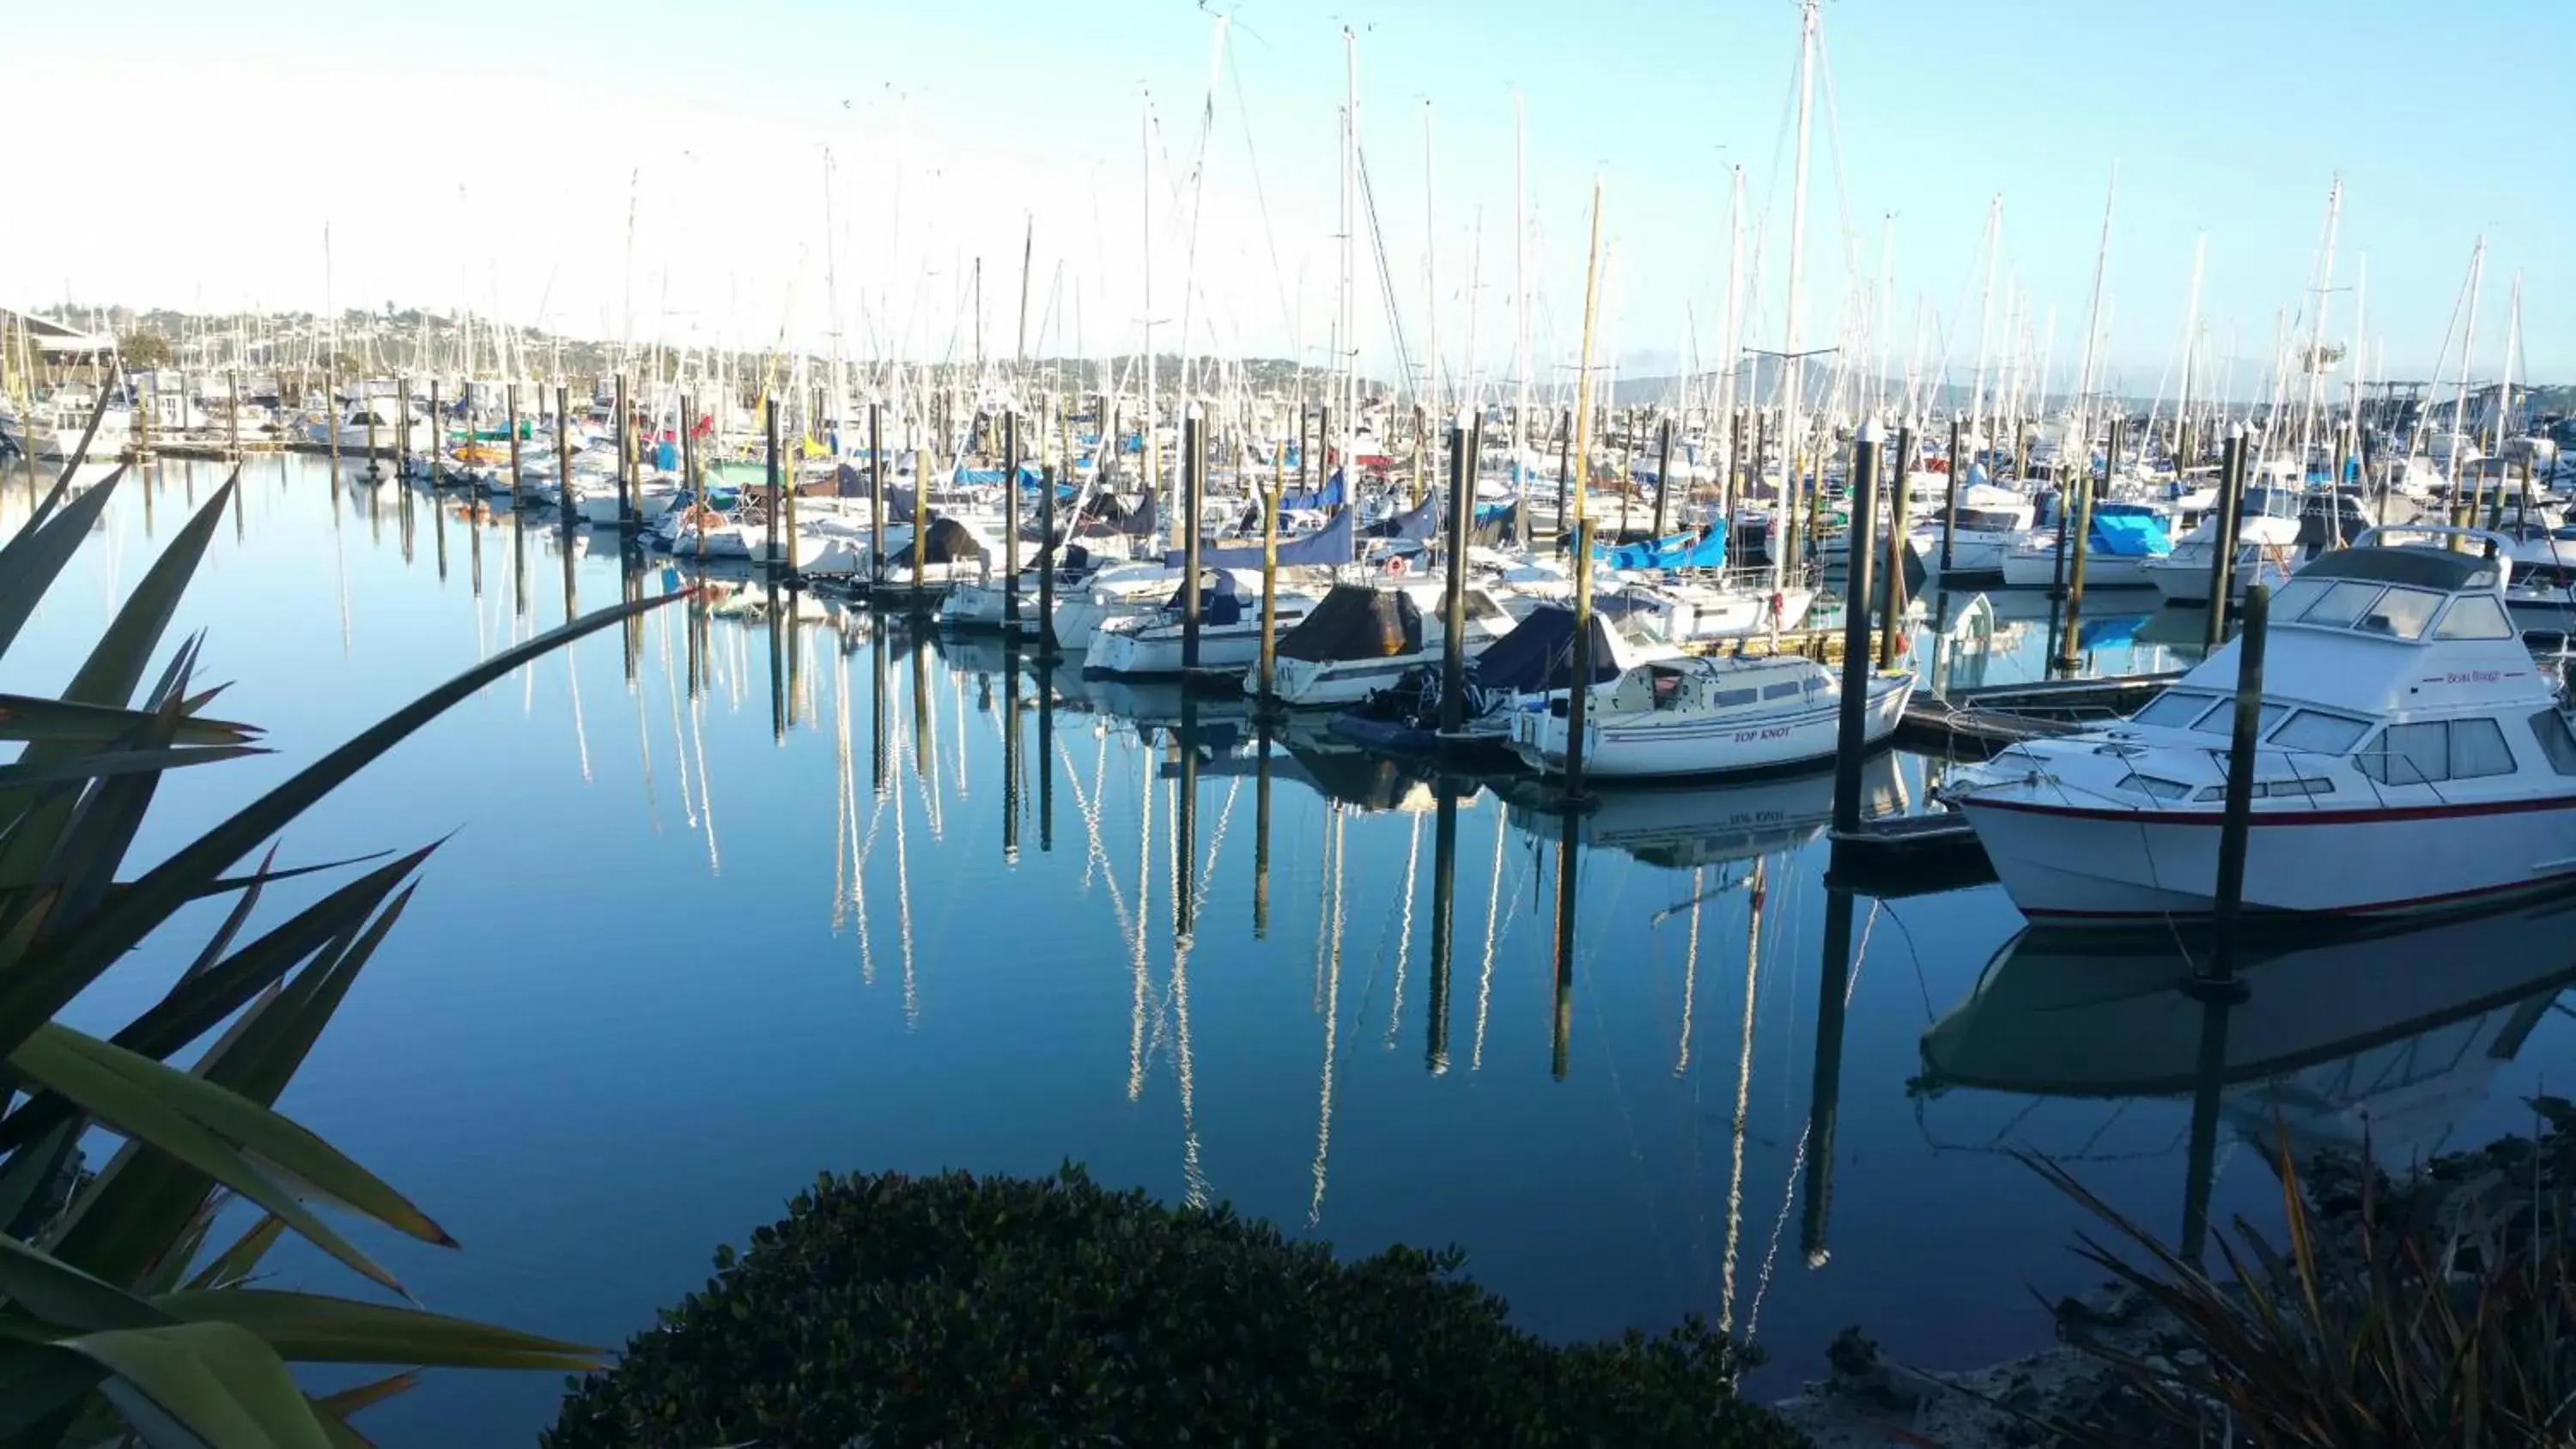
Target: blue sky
501, 176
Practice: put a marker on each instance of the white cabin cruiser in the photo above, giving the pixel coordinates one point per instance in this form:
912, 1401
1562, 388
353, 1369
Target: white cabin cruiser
2122, 541
1992, 522
2413, 757
1712, 715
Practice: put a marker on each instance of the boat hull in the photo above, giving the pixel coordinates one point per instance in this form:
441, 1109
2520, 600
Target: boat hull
1154, 651
2081, 866
1334, 683
1673, 746
2038, 570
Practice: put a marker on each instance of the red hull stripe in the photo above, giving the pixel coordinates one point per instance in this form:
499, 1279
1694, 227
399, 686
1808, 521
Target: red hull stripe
2212, 819
2412, 903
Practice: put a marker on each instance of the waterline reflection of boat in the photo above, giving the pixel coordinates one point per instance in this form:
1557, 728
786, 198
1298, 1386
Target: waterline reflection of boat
2401, 1025
1680, 828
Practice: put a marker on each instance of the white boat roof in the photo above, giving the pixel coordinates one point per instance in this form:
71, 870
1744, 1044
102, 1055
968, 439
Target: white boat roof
2385, 630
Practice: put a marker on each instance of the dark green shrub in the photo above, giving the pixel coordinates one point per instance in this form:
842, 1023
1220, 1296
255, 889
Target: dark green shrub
892, 1311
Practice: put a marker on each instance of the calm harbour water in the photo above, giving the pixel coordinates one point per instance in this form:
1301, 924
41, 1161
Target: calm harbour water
682, 954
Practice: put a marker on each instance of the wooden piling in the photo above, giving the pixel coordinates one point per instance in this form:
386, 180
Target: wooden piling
2237, 815
565, 510
1891, 629
1663, 473
1852, 741
232, 424
769, 515
1011, 523
1048, 557
1193, 485
1825, 1089
920, 527
437, 440
516, 476
1561, 1022
1010, 748
629, 508
2222, 560
1950, 493
1265, 699
1444, 906
1453, 616
1046, 749
2080, 525
784, 502
1564, 470
878, 473
1261, 833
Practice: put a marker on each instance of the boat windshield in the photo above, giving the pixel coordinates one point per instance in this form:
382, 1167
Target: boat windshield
2364, 605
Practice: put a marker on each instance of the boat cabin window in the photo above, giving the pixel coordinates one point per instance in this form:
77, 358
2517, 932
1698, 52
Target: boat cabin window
2174, 709
1732, 698
1783, 691
2291, 787
2557, 743
2438, 750
2318, 732
2151, 786
2474, 616
2372, 607
1667, 687
2222, 721
1988, 520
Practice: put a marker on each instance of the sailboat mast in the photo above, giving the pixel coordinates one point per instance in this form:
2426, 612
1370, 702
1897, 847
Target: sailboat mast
2190, 339
2317, 325
1145, 418
2361, 357
1731, 340
1986, 314
1430, 269
2081, 434
1808, 14
1520, 295
2468, 347
1350, 239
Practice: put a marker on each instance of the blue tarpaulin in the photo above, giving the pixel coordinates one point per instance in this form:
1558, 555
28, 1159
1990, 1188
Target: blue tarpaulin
2129, 535
1680, 551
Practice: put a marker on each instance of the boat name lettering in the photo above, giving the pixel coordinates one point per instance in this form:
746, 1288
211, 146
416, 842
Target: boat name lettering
2473, 676
1773, 732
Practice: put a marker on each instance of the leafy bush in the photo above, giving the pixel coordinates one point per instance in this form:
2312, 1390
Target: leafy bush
889, 1310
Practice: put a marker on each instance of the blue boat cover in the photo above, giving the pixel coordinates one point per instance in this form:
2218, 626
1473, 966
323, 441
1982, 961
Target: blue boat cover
1331, 495
1680, 551
2129, 535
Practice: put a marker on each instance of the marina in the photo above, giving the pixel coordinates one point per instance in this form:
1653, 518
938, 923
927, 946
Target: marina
919, 894
1663, 774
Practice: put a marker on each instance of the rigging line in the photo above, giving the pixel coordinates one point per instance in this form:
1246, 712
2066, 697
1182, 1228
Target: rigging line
1493, 906
1260, 197
1385, 277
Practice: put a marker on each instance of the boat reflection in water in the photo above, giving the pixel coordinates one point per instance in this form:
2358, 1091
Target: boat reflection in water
2388, 1032
1715, 824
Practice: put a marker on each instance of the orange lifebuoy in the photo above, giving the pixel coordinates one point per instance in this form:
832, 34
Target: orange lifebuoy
1395, 567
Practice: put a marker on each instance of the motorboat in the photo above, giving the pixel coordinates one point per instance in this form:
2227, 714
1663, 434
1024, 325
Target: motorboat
1992, 521
2121, 541
1360, 637
986, 603
2412, 757
1118, 591
1710, 715
2267, 529
1154, 646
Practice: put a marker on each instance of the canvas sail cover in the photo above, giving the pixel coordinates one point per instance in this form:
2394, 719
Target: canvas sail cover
1326, 547
1356, 621
1419, 522
1538, 654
